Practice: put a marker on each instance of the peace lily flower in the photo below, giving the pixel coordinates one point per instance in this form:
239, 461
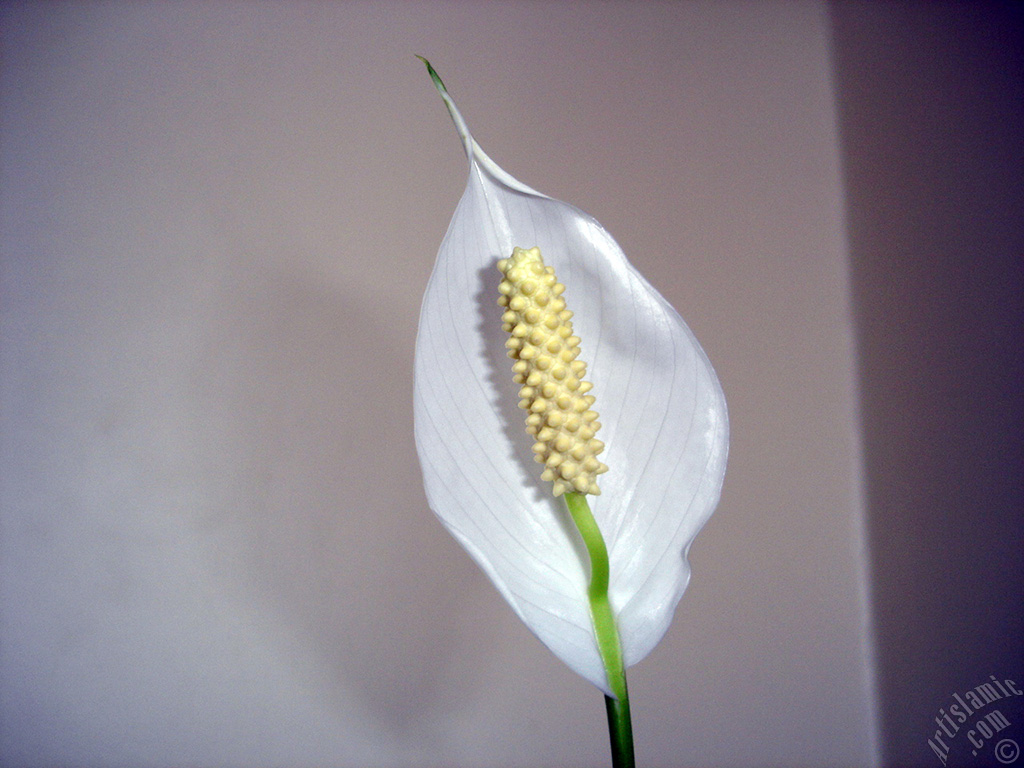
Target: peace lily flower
662, 419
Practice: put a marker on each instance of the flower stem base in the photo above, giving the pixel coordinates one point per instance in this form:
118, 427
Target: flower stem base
620, 730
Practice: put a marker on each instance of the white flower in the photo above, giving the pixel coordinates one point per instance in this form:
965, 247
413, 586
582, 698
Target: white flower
662, 410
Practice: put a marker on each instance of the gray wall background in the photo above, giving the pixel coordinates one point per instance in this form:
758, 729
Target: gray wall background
217, 223
931, 104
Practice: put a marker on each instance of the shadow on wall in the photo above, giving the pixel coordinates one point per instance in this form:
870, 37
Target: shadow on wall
932, 128
309, 392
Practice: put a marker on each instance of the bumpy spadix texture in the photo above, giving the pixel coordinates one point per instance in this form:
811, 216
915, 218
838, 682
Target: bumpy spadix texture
662, 410
548, 366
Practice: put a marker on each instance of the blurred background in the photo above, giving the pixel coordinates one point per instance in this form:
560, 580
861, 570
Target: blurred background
217, 223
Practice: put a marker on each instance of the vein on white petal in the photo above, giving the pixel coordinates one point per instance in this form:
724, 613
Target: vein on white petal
466, 429
657, 438
635, 425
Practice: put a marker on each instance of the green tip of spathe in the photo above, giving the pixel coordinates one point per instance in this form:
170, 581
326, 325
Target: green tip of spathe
438, 82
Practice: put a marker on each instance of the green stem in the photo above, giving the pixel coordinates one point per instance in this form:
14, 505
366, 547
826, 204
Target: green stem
620, 728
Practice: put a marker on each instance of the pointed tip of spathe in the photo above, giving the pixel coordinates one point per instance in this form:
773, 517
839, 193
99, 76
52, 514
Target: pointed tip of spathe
453, 111
438, 82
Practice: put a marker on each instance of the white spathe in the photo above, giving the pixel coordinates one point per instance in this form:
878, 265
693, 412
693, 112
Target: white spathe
661, 406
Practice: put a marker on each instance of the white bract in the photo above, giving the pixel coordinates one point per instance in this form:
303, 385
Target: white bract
662, 410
